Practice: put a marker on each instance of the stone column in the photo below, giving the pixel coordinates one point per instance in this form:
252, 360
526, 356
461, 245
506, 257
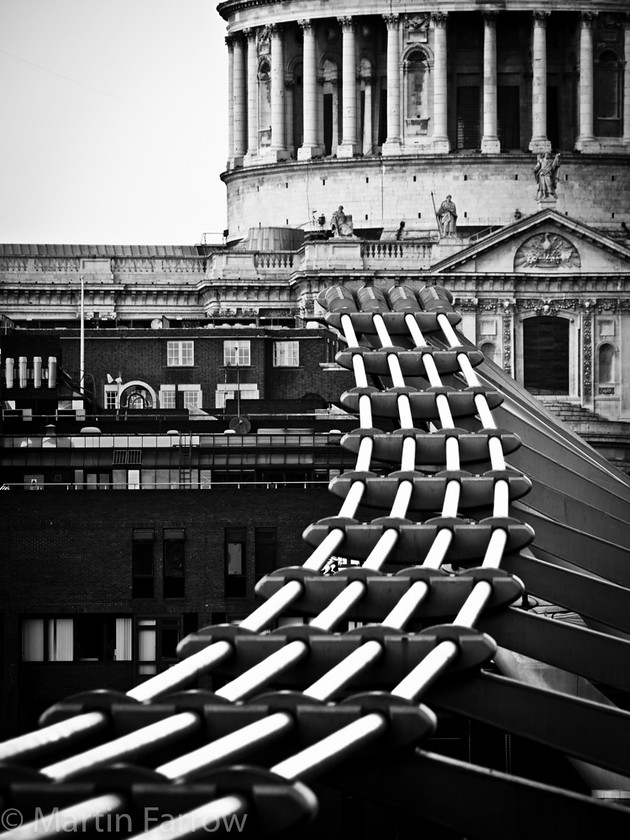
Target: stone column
440, 85
239, 95
348, 145
278, 141
586, 138
229, 42
310, 147
367, 116
626, 83
539, 141
288, 116
490, 141
392, 144
252, 93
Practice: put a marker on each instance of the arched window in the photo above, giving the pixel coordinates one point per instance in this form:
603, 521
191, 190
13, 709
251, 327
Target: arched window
608, 96
606, 363
488, 349
137, 396
264, 103
416, 81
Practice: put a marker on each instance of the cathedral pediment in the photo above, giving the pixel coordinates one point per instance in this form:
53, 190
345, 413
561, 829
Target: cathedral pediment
545, 243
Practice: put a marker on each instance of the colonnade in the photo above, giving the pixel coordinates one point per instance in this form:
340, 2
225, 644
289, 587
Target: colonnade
352, 137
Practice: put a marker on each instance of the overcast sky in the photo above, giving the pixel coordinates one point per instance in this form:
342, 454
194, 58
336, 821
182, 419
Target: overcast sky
113, 121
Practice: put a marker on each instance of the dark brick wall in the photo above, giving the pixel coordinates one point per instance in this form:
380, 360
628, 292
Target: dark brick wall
69, 552
141, 355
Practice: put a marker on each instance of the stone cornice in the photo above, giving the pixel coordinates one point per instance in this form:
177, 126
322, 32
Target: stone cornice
276, 10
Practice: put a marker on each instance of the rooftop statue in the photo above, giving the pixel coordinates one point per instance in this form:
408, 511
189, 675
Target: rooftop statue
447, 217
546, 175
341, 223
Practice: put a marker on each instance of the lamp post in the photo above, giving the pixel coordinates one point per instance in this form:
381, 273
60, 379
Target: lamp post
82, 338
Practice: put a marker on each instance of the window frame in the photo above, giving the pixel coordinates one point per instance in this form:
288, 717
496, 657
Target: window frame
173, 585
142, 537
235, 582
237, 352
177, 352
286, 353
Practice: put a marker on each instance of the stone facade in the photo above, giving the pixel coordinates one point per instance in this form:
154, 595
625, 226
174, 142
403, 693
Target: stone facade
397, 103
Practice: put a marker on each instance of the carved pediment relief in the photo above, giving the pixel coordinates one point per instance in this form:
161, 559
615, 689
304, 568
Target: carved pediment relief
547, 252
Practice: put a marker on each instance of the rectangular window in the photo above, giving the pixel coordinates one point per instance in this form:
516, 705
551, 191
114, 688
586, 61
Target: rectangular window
180, 353
237, 353
235, 578
174, 558
265, 551
111, 396
84, 638
157, 644
47, 639
286, 354
167, 397
143, 563
192, 399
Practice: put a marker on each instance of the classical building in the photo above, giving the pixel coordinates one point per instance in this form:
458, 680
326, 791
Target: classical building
384, 106
378, 155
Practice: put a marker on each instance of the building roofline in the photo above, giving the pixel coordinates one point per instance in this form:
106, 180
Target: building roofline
528, 223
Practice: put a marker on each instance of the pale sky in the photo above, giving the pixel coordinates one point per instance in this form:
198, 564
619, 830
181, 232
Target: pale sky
113, 121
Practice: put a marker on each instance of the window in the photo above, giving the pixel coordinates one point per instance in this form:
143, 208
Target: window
192, 399
174, 556
237, 353
416, 93
608, 84
84, 638
157, 644
235, 580
286, 354
126, 479
606, 363
488, 349
180, 353
143, 571
167, 396
111, 396
265, 551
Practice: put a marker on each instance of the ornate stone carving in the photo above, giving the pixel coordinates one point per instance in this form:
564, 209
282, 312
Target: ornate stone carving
587, 355
418, 21
546, 251
541, 16
391, 21
507, 341
439, 19
264, 40
466, 304
306, 25
548, 306
490, 18
345, 22
488, 304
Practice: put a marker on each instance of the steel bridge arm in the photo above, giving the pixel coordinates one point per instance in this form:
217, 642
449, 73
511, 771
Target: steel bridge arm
584, 729
479, 802
596, 656
589, 596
